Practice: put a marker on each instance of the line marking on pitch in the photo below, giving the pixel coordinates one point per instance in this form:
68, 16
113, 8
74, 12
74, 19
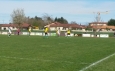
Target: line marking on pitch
97, 62
8, 57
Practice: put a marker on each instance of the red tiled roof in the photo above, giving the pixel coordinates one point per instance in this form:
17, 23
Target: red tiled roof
14, 25
7, 25
111, 27
25, 25
103, 27
66, 25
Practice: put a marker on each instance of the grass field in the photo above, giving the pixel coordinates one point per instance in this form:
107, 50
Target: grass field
34, 53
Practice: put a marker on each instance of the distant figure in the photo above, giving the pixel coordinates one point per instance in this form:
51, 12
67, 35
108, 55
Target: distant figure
18, 31
29, 30
46, 31
114, 34
58, 32
9, 32
68, 32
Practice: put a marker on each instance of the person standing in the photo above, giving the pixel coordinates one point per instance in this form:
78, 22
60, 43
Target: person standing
68, 32
18, 31
9, 32
29, 30
58, 32
46, 31
114, 34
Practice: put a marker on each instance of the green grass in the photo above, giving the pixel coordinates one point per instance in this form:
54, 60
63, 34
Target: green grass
35, 53
107, 65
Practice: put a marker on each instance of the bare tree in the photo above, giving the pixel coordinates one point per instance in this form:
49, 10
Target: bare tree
18, 16
47, 19
73, 22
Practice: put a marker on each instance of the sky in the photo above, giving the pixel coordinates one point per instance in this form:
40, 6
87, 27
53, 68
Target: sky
80, 11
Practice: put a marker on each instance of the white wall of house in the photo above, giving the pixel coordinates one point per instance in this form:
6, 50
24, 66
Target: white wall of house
54, 28
98, 24
6, 28
83, 30
61, 28
64, 29
102, 24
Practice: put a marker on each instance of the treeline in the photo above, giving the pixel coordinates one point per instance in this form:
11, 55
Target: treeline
46, 19
111, 22
18, 17
42, 21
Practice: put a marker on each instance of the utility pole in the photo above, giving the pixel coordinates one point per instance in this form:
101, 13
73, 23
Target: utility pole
98, 17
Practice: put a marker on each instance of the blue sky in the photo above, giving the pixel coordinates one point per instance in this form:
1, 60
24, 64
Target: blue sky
80, 11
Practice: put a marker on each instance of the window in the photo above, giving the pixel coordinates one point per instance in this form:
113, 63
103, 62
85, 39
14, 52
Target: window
4, 28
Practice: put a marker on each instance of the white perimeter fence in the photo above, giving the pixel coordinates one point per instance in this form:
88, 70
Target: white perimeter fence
54, 34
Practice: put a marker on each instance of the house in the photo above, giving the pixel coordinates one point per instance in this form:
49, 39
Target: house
102, 26
98, 24
5, 26
55, 25
13, 26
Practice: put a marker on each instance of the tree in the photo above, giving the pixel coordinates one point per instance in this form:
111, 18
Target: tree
18, 17
111, 22
61, 20
73, 22
55, 19
47, 19
36, 22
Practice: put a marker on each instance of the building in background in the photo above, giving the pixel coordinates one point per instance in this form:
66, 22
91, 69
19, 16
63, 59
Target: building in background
14, 26
56, 25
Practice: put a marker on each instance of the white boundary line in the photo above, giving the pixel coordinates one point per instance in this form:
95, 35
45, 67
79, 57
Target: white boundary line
95, 63
8, 57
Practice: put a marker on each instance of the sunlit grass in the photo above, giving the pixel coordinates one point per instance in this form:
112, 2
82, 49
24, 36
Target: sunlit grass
35, 53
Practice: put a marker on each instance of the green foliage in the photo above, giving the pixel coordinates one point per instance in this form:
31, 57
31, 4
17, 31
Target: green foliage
111, 22
61, 20
40, 21
56, 19
36, 21
89, 29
